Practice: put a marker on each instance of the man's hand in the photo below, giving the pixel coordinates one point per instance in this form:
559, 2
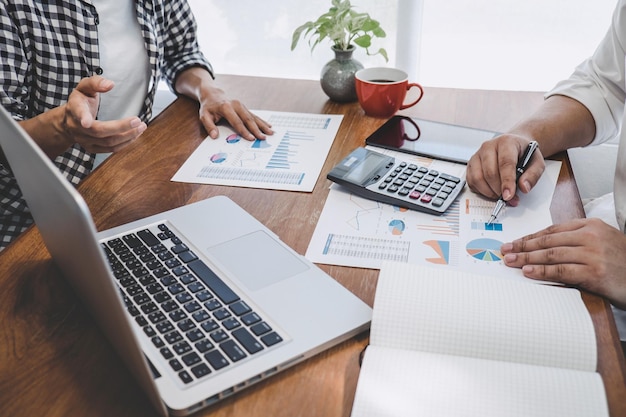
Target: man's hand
79, 124
585, 253
491, 171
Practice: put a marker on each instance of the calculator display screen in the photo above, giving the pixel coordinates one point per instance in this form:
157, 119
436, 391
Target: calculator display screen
364, 170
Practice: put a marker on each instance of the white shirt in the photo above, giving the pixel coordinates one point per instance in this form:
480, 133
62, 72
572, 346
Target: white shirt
599, 83
123, 59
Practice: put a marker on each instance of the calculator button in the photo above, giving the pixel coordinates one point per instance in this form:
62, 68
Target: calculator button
450, 178
382, 185
404, 191
392, 188
415, 195
438, 202
426, 198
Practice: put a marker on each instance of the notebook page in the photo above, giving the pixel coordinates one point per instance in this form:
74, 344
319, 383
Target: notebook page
454, 312
400, 383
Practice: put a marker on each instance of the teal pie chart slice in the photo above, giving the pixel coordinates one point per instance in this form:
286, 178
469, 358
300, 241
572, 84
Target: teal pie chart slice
485, 249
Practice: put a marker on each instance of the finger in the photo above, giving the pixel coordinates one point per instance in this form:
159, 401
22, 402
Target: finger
480, 177
91, 86
239, 119
209, 123
533, 172
569, 274
508, 157
555, 235
111, 136
258, 127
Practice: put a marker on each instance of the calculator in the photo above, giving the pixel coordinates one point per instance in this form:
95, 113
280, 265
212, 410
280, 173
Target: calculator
395, 181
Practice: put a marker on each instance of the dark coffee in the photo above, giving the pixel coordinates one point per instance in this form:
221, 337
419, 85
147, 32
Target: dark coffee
382, 81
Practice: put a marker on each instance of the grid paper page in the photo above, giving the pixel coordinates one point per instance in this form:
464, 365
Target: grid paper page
400, 383
458, 313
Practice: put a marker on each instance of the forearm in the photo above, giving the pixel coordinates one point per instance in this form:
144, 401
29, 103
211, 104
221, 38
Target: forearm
560, 123
196, 83
46, 130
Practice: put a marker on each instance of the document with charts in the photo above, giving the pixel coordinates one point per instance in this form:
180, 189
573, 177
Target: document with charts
290, 159
357, 232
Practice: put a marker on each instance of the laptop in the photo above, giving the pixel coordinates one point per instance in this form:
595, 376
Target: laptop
201, 301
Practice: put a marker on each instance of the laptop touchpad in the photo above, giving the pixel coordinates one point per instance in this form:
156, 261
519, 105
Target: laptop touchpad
257, 259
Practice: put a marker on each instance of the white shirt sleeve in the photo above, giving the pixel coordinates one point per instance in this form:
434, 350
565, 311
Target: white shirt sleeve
599, 82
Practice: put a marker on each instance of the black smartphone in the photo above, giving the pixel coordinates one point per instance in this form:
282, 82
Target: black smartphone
428, 138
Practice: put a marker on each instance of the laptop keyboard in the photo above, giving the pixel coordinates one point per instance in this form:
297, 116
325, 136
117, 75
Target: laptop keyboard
197, 322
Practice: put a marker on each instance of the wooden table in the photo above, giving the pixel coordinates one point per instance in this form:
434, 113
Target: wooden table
54, 361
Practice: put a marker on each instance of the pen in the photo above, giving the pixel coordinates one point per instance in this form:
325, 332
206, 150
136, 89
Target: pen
521, 167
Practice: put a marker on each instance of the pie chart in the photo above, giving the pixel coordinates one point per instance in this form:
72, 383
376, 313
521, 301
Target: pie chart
485, 249
396, 227
218, 158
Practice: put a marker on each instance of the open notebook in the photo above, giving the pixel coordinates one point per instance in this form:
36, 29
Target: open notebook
448, 343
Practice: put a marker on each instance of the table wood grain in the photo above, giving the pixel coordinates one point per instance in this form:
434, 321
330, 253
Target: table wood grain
54, 361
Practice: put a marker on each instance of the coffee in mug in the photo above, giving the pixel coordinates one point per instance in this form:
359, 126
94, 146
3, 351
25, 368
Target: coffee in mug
382, 91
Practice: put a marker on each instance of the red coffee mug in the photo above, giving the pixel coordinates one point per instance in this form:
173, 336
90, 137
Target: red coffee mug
382, 91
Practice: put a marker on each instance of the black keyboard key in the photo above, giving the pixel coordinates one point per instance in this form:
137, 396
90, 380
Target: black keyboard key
131, 240
176, 365
201, 370
212, 281
187, 256
156, 317
186, 325
191, 358
212, 304
209, 326
158, 342
216, 359
250, 318
219, 336
148, 237
232, 350
231, 323
260, 328
204, 345
167, 353
179, 248
149, 331
165, 327
195, 335
182, 348
173, 337
221, 314
271, 339
178, 315
248, 341
240, 308
185, 377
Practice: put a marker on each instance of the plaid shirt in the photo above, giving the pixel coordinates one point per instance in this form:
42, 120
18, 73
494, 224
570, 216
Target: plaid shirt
48, 46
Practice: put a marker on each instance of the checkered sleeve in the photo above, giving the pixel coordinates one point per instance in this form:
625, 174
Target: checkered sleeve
181, 49
13, 68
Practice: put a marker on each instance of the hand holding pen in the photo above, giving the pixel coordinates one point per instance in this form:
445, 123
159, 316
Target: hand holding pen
520, 169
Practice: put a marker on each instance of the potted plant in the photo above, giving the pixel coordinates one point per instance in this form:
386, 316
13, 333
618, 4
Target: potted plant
346, 29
